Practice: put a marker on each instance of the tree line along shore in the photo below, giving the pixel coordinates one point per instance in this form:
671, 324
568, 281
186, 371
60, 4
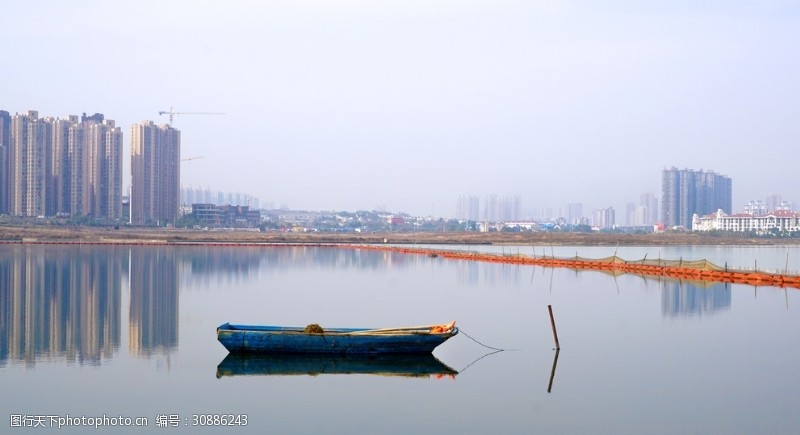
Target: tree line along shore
55, 234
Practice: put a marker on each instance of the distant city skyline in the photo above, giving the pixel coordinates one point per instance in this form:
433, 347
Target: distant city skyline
196, 195
404, 106
70, 166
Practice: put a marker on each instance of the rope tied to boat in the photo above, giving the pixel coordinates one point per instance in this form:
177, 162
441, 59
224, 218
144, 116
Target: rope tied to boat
461, 330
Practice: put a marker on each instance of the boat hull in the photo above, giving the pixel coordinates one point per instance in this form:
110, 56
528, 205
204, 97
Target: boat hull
341, 341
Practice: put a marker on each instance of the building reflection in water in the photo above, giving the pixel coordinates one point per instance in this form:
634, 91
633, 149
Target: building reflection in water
59, 302
212, 266
683, 298
64, 301
153, 320
475, 273
693, 298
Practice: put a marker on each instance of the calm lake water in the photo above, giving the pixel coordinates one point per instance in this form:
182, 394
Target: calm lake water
130, 331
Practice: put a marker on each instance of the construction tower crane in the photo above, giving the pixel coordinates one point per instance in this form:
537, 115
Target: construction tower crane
172, 114
192, 158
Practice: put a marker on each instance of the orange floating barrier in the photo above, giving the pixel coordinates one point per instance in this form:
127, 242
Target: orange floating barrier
701, 270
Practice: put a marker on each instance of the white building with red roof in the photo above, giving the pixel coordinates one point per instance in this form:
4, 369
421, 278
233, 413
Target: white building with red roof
779, 220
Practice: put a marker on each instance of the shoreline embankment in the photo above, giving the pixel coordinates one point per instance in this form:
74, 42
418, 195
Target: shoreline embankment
127, 235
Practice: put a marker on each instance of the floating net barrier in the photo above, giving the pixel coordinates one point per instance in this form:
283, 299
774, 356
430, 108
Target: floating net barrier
699, 270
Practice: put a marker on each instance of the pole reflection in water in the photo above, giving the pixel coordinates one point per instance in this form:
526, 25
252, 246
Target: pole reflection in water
553, 371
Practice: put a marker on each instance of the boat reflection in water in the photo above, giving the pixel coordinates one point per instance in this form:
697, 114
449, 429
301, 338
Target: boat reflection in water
411, 365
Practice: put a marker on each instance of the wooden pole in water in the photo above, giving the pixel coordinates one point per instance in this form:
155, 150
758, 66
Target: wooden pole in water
553, 324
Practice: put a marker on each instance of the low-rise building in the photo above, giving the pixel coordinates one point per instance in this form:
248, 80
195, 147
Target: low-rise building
230, 216
782, 221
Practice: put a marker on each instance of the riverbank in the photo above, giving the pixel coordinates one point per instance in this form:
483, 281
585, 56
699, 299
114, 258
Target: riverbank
157, 235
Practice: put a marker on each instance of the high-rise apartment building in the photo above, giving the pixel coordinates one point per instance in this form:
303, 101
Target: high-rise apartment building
632, 214
648, 212
468, 207
93, 182
104, 147
773, 202
27, 159
574, 213
155, 174
58, 174
5, 143
604, 218
61, 167
686, 192
643, 214
498, 208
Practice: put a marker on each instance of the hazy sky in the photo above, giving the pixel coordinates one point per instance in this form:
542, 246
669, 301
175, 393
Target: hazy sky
404, 105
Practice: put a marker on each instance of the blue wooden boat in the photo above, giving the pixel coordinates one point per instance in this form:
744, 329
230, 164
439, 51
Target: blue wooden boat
343, 341
422, 365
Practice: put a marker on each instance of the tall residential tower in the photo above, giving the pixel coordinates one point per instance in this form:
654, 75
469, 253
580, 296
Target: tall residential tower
155, 174
468, 207
686, 192
93, 186
5, 142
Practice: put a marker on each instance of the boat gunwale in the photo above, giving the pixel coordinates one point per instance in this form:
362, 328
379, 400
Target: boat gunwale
357, 332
